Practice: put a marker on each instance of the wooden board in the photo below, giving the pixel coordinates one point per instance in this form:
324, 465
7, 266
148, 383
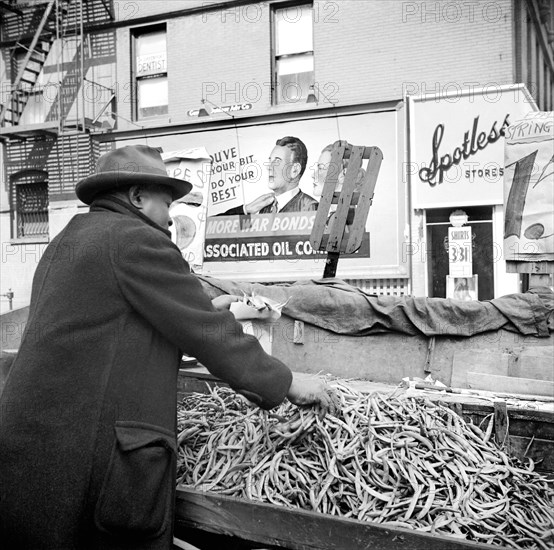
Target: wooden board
298, 529
329, 186
375, 156
522, 421
537, 363
530, 267
337, 240
477, 360
509, 384
531, 363
540, 450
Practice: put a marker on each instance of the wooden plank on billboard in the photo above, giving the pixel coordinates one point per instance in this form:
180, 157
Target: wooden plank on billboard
338, 224
327, 193
367, 191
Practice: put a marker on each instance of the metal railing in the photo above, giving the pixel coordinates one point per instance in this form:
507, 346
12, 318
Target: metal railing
32, 224
31, 213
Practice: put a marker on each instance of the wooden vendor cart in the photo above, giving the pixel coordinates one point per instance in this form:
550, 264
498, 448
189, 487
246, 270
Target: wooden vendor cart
523, 425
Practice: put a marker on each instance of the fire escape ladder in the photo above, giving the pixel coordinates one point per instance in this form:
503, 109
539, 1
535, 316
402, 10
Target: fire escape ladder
10, 5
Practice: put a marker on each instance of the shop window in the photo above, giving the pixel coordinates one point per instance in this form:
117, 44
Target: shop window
483, 252
150, 70
293, 59
30, 212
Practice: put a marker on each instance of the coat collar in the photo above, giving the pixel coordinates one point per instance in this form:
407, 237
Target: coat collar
113, 204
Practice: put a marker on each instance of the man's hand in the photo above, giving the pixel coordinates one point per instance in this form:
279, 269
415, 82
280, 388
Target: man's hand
313, 391
256, 205
224, 301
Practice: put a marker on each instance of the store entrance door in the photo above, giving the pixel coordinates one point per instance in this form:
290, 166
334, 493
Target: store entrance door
480, 221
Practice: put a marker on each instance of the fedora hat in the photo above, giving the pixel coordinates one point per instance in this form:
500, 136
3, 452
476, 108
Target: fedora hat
130, 165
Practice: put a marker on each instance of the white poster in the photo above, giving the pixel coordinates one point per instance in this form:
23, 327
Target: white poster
189, 212
456, 144
464, 289
230, 169
529, 189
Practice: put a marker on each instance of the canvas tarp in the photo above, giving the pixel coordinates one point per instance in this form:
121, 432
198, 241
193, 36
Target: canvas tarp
339, 307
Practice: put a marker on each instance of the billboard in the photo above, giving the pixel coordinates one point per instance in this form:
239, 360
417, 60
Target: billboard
456, 144
529, 189
254, 230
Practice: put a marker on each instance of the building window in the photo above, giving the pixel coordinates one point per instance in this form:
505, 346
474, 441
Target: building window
31, 210
150, 53
293, 47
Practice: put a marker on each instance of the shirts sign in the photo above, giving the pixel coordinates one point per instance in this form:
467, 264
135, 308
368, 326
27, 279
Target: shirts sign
460, 252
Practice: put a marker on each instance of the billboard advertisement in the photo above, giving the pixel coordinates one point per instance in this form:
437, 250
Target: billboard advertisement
456, 144
529, 189
258, 189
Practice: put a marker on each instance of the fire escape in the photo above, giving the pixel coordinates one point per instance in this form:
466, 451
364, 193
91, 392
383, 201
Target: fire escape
31, 65
46, 121
57, 37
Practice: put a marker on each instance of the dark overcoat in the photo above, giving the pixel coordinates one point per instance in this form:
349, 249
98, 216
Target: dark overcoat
88, 413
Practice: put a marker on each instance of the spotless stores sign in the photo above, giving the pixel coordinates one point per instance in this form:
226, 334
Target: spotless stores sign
456, 144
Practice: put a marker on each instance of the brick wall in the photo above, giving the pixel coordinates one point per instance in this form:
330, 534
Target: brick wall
127, 10
364, 52
227, 62
374, 50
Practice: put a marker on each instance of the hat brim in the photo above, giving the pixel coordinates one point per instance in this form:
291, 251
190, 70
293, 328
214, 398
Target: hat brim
87, 189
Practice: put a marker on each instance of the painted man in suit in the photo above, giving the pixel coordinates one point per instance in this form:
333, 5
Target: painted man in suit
287, 163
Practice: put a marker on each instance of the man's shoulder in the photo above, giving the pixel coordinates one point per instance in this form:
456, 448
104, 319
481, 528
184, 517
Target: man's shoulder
113, 226
307, 201
305, 197
301, 202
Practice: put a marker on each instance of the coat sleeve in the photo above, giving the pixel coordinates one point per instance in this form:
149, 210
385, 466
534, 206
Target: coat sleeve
157, 283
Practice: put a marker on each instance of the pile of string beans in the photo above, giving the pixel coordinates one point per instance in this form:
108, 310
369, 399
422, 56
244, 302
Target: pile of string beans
399, 461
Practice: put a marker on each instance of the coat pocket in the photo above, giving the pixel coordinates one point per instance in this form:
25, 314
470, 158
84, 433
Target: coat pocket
137, 491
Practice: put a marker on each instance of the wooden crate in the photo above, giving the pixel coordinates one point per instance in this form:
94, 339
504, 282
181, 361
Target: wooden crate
237, 524
222, 522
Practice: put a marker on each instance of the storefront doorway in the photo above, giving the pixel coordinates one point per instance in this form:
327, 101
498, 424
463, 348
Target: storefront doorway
481, 223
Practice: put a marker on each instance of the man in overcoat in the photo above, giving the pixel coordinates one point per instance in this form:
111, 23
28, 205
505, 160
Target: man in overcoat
88, 413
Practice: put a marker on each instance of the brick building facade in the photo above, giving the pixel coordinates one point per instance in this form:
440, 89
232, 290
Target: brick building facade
109, 61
